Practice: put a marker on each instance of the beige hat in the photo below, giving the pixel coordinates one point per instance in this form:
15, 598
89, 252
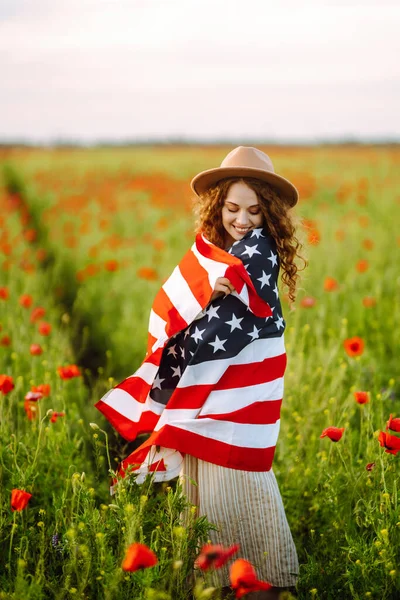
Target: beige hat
246, 161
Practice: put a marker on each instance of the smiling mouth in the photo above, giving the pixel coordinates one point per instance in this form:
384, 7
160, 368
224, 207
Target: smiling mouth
241, 229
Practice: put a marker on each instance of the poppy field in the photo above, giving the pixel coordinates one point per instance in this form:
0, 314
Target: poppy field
87, 237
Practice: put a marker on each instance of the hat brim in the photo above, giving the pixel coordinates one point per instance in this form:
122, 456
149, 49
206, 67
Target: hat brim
206, 179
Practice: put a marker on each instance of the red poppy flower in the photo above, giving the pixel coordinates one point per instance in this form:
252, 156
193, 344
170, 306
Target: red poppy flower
37, 313
369, 301
370, 466
361, 397
330, 284
5, 340
333, 433
26, 300
314, 237
43, 388
55, 415
307, 301
391, 443
138, 556
147, 273
6, 384
362, 266
111, 265
68, 372
368, 244
33, 396
4, 293
35, 349
244, 580
31, 409
19, 499
393, 424
44, 328
214, 556
354, 346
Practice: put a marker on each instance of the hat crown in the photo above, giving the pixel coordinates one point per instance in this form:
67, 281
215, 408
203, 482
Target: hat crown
247, 156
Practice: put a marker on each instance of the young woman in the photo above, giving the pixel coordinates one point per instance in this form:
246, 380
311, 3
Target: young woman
211, 386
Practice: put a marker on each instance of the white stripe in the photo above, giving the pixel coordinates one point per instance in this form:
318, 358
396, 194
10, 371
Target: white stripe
209, 372
178, 291
236, 434
128, 407
146, 371
171, 415
214, 268
227, 401
156, 325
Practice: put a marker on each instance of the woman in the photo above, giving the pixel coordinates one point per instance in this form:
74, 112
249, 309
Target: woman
211, 386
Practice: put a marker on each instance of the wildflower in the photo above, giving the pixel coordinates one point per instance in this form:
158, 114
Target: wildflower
33, 396
370, 466
369, 301
354, 346
147, 273
5, 340
330, 284
4, 293
35, 349
214, 556
6, 384
393, 424
391, 443
138, 556
333, 433
55, 416
25, 300
44, 328
361, 397
314, 237
43, 388
307, 302
19, 499
243, 578
31, 409
111, 265
69, 371
37, 313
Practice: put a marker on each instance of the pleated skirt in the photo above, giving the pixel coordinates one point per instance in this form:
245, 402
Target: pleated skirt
247, 507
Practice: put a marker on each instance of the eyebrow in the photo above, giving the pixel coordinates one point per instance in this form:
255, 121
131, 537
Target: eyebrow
230, 202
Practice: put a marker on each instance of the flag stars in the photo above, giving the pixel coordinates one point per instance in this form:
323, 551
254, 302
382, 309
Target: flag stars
182, 352
234, 322
257, 233
264, 279
157, 382
217, 344
172, 351
273, 258
250, 250
255, 334
276, 290
198, 334
212, 311
176, 371
279, 322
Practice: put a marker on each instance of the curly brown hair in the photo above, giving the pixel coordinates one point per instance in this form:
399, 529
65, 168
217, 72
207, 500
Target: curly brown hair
277, 220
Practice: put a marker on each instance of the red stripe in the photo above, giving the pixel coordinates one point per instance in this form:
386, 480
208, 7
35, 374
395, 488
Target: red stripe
215, 253
258, 413
164, 308
218, 453
136, 387
196, 277
237, 376
125, 427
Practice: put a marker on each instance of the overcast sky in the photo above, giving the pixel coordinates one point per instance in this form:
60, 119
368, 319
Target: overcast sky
204, 69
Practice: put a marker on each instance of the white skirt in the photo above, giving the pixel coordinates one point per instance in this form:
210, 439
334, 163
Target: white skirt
247, 507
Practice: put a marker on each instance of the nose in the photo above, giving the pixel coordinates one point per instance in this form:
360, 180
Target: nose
242, 218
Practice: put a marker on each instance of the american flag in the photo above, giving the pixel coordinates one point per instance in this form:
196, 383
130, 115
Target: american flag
211, 384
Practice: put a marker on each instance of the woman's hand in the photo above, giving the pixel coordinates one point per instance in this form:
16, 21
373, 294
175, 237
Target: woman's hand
222, 287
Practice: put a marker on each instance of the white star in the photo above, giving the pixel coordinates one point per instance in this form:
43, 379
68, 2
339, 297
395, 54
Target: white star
269, 316
217, 344
273, 258
246, 267
197, 335
264, 279
212, 311
191, 352
250, 250
279, 322
257, 233
172, 350
157, 382
234, 322
254, 334
176, 371
186, 333
182, 352
276, 290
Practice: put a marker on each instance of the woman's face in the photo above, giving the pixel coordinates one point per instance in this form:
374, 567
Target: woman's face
240, 213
